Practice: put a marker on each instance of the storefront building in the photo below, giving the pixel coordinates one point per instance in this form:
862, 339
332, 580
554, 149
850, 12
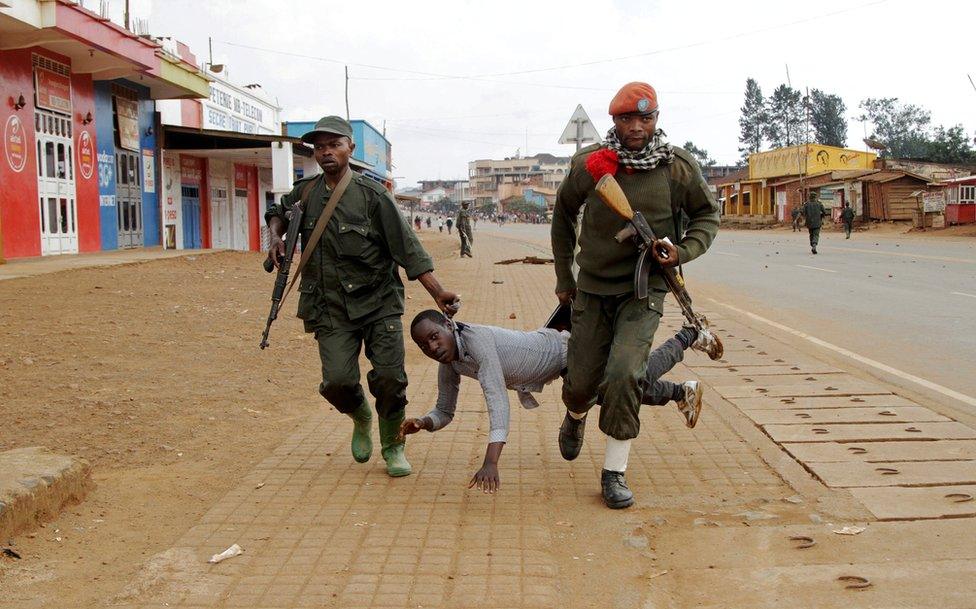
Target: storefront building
62, 71
224, 162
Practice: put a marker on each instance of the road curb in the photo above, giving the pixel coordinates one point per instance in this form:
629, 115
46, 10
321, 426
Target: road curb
35, 484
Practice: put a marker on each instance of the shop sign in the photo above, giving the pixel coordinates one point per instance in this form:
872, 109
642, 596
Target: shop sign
53, 90
240, 177
106, 200
191, 170
86, 155
127, 112
15, 143
148, 171
228, 110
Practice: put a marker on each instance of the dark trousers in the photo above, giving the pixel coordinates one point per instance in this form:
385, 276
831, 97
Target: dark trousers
608, 359
465, 243
848, 227
339, 351
814, 236
658, 392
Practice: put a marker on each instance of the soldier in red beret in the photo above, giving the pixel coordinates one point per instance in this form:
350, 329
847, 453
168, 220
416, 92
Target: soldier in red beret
612, 329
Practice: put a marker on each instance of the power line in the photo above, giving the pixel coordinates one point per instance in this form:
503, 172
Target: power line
487, 77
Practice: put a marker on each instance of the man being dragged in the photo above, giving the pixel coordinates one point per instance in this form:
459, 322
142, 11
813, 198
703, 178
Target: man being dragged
503, 359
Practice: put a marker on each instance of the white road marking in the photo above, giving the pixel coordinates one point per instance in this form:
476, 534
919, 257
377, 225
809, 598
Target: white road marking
962, 397
965, 294
728, 254
816, 268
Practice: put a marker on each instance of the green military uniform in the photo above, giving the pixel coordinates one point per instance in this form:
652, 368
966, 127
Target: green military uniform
465, 232
813, 212
612, 330
351, 294
847, 215
796, 213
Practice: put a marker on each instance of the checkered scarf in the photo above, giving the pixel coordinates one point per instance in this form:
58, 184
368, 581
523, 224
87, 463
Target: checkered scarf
657, 151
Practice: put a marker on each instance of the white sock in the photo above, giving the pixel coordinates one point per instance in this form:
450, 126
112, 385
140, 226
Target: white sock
615, 459
579, 416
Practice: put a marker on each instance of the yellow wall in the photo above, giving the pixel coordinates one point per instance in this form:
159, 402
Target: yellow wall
807, 159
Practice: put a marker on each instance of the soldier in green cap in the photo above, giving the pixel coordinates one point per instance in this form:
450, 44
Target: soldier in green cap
351, 292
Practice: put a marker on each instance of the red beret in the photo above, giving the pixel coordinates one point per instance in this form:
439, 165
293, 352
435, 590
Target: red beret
637, 97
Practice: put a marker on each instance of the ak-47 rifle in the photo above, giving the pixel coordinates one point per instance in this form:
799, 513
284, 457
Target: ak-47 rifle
284, 267
638, 229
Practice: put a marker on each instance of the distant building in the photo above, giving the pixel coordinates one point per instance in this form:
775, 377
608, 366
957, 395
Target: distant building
433, 191
492, 181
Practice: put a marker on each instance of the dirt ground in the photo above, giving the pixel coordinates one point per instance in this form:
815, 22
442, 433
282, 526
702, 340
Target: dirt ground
157, 380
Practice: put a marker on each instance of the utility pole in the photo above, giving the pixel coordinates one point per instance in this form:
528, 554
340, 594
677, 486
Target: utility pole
347, 106
127, 15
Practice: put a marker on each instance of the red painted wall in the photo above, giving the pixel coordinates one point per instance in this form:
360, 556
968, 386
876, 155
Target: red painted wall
86, 190
246, 176
19, 218
206, 238
190, 113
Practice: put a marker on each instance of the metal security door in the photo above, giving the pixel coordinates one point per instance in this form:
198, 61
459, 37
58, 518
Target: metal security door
56, 184
191, 217
128, 198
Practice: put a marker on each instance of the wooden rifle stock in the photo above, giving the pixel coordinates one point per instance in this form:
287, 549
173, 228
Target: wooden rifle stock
613, 196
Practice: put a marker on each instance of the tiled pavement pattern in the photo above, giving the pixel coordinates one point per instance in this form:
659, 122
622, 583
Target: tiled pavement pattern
899, 458
321, 531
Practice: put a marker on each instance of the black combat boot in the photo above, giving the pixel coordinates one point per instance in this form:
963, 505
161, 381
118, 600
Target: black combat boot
571, 437
616, 494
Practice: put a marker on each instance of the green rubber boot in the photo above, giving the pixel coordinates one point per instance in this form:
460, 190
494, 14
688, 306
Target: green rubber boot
362, 439
393, 450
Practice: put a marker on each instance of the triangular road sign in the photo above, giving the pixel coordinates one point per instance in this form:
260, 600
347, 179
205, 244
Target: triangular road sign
580, 129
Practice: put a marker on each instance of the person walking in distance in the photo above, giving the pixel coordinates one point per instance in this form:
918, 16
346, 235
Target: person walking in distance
612, 329
465, 231
847, 215
813, 213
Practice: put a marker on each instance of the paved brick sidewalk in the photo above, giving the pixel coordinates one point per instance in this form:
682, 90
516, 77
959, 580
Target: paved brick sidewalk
321, 531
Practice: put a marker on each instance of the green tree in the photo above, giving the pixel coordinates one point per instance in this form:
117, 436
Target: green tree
951, 145
784, 117
902, 128
752, 121
700, 154
827, 120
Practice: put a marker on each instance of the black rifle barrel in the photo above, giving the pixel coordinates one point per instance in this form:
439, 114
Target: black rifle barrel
284, 267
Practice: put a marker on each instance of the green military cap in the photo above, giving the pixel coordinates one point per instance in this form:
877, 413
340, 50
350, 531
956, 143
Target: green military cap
329, 124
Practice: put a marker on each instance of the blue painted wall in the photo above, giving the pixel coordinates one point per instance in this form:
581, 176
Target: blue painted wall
105, 144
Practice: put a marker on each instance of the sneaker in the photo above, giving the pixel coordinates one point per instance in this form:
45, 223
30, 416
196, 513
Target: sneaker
616, 493
690, 407
709, 344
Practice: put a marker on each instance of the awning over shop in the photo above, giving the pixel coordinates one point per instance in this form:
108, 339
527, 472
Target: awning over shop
188, 138
99, 47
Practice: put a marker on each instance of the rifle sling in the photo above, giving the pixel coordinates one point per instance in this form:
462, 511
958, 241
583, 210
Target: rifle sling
320, 225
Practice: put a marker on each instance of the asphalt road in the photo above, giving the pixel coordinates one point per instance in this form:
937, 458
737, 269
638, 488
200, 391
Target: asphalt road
906, 301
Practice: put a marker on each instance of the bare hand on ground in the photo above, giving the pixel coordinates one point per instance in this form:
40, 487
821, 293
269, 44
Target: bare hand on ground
486, 478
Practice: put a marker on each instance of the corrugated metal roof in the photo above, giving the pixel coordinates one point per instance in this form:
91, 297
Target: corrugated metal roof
887, 176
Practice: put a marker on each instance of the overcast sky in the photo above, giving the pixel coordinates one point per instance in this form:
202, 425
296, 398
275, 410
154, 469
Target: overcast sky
458, 80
